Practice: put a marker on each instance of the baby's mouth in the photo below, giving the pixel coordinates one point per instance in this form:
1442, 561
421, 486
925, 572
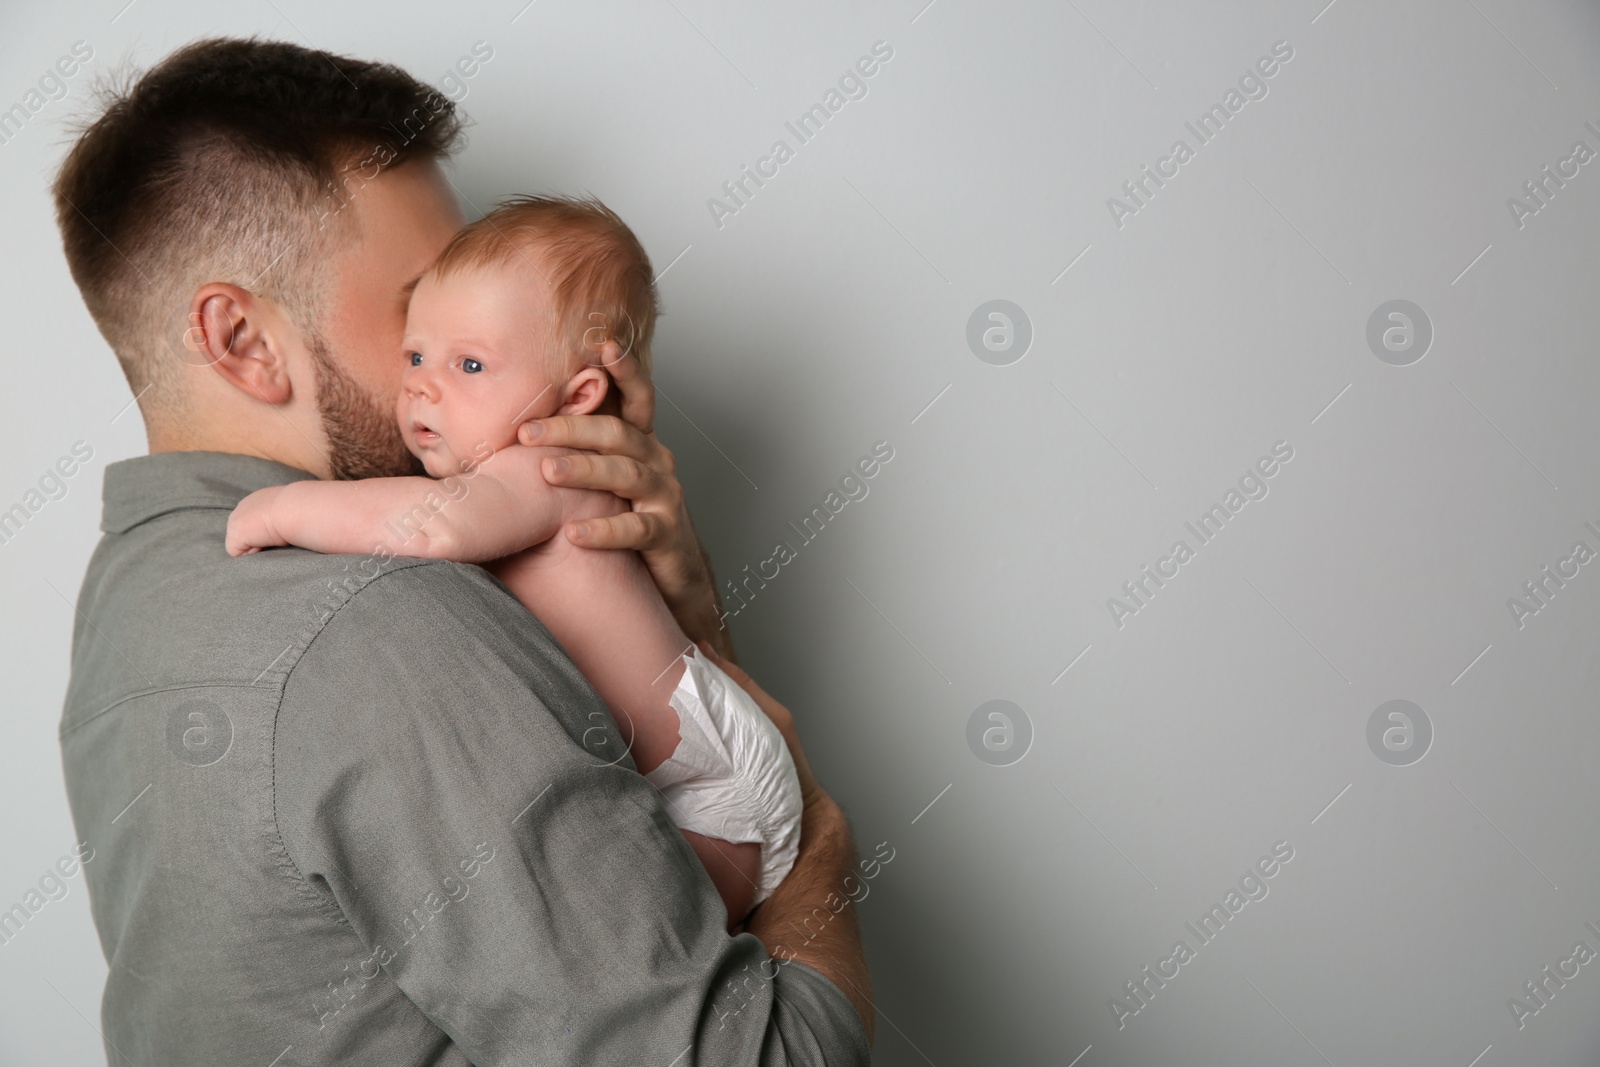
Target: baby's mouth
424, 434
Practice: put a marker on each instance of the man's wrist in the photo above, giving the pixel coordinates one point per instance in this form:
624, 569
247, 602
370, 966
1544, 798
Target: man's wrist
819, 883
700, 614
823, 815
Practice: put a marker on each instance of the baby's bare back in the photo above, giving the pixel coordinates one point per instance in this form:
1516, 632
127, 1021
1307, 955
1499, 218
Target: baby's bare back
604, 609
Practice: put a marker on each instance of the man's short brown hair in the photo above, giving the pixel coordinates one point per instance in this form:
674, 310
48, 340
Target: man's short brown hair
599, 274
231, 160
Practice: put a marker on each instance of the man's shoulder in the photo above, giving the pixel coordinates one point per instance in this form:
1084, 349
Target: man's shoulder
411, 613
434, 665
286, 601
432, 640
403, 583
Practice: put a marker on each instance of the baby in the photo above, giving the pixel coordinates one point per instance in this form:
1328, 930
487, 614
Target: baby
517, 320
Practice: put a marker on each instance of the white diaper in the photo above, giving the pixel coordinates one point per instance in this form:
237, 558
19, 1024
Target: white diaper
731, 776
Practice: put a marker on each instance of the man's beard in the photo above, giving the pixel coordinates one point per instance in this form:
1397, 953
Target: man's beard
364, 440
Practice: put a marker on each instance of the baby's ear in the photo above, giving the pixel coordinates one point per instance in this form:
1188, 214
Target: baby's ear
584, 392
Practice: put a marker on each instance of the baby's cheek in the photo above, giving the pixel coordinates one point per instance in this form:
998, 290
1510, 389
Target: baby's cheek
494, 427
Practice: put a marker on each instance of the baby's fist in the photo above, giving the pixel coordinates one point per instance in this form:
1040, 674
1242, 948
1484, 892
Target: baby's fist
250, 527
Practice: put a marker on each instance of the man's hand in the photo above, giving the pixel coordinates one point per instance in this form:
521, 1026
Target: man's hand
250, 526
820, 876
640, 469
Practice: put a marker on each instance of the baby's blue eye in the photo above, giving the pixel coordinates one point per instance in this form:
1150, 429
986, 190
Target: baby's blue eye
471, 366
416, 359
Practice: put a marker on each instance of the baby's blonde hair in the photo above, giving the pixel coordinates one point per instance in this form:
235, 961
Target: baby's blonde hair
597, 269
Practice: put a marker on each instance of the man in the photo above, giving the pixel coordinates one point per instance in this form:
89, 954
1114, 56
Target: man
365, 810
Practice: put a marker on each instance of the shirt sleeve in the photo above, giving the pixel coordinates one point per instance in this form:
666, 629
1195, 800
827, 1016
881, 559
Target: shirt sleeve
448, 780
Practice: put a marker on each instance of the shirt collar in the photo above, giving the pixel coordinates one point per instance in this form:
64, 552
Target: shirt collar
139, 489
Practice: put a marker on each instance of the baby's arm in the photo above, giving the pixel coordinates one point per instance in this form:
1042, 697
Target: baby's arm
503, 506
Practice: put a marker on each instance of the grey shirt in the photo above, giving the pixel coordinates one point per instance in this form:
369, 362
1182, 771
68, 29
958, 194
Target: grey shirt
350, 810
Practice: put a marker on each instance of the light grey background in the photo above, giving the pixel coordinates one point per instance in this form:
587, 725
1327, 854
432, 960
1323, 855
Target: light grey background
1228, 314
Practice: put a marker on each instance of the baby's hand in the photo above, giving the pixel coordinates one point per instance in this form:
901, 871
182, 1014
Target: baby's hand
250, 527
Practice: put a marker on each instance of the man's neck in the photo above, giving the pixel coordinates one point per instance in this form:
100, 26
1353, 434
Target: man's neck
161, 438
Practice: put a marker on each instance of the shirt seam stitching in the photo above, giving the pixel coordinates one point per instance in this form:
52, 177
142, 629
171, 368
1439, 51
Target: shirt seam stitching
67, 731
213, 502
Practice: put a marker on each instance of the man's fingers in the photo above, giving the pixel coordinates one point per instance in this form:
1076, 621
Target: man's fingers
638, 530
627, 478
638, 394
600, 433
609, 355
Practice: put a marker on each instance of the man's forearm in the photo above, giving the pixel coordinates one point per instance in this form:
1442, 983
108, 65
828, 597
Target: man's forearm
811, 916
700, 614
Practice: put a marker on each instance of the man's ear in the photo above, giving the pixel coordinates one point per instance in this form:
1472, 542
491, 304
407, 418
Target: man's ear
584, 392
230, 331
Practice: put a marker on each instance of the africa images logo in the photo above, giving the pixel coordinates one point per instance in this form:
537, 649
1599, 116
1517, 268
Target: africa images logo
1252, 86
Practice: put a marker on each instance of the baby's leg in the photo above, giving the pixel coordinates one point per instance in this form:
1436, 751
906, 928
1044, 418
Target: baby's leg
733, 870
